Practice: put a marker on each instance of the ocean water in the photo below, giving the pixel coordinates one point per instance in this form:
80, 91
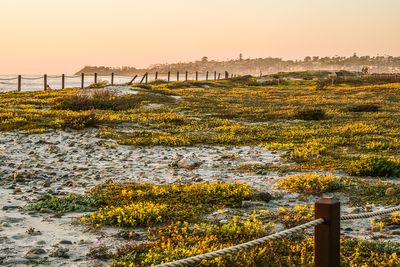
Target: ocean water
36, 83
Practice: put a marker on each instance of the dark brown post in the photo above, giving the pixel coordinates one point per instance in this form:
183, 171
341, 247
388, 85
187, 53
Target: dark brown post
177, 76
147, 75
207, 76
112, 78
327, 235
45, 82
215, 75
19, 83
169, 76
197, 75
144, 76
63, 81
82, 80
156, 78
186, 76
95, 77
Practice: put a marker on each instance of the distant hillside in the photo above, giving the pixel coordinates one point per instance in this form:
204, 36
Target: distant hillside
259, 66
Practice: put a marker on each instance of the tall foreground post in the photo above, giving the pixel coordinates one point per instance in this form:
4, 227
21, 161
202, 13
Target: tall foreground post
327, 235
112, 78
45, 82
63, 81
19, 83
82, 80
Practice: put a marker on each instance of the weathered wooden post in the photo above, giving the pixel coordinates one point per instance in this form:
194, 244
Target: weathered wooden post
186, 76
177, 76
169, 76
207, 76
147, 76
82, 80
45, 82
95, 77
327, 235
63, 81
197, 75
112, 78
144, 76
19, 83
215, 75
156, 78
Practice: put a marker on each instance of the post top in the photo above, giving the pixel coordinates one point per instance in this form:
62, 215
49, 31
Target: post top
327, 200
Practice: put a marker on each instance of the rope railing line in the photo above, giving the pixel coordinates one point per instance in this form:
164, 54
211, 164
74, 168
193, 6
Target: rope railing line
247, 245
369, 214
8, 79
32, 78
260, 241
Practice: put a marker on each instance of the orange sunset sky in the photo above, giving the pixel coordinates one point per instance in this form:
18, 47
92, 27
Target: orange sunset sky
61, 36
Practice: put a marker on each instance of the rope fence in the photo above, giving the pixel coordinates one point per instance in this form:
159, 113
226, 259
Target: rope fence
95, 78
327, 236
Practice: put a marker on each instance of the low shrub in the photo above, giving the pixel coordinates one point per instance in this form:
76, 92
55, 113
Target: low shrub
363, 192
100, 84
140, 204
363, 108
97, 99
312, 183
293, 216
310, 114
69, 203
375, 166
77, 120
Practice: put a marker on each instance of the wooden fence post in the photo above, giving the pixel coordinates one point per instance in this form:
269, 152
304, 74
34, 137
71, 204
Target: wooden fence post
197, 75
327, 235
177, 76
45, 82
144, 76
186, 76
156, 78
169, 76
82, 80
215, 75
63, 81
147, 76
207, 76
95, 77
19, 83
112, 78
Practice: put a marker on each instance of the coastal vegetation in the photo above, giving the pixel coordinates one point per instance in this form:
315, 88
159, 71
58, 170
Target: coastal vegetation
342, 141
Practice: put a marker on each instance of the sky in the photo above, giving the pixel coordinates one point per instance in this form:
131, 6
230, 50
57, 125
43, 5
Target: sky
62, 36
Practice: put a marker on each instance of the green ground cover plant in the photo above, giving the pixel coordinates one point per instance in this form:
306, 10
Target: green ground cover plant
226, 112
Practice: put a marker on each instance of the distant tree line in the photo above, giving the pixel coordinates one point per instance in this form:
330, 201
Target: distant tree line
257, 66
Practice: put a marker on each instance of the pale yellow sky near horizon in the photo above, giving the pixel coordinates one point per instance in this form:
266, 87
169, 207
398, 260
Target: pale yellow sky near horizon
61, 36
